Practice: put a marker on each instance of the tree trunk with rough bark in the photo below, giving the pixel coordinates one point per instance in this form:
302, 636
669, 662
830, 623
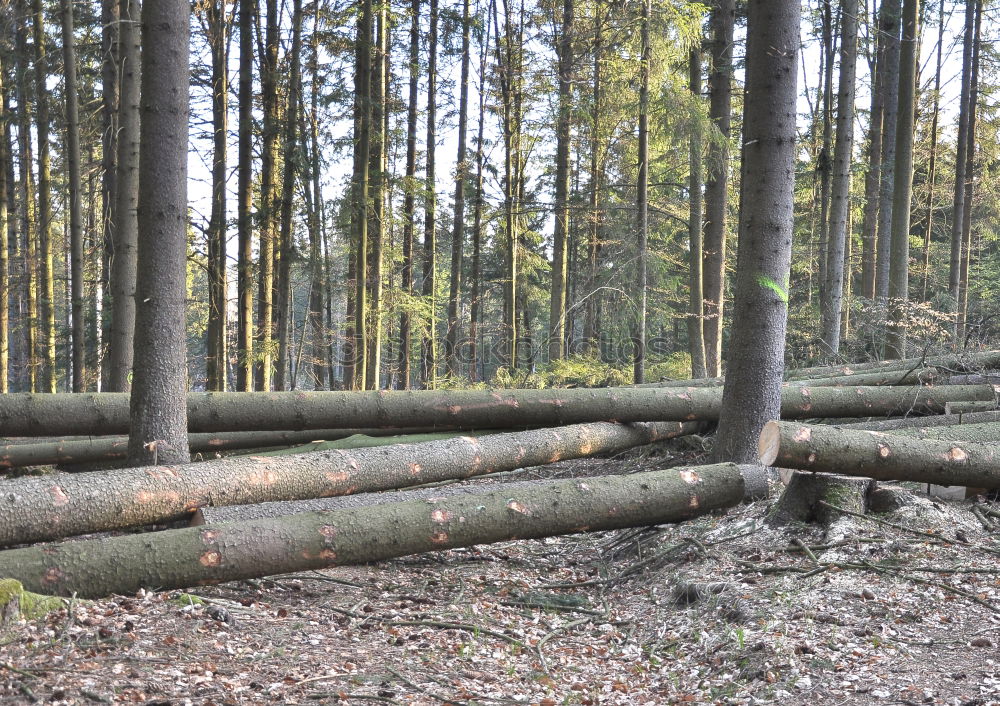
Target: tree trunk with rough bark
43, 508
696, 282
158, 412
218, 553
428, 343
899, 261
642, 204
752, 393
75, 196
833, 291
560, 237
720, 88
244, 197
123, 271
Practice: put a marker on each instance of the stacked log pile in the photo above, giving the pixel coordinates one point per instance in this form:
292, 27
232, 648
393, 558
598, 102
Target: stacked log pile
251, 529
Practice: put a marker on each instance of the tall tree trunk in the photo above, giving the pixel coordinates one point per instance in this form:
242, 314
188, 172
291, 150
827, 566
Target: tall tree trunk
46, 284
109, 158
409, 195
428, 362
5, 240
458, 225
591, 327
903, 190
932, 163
475, 294
268, 51
752, 394
557, 308
377, 222
216, 349
123, 272
970, 181
158, 410
873, 173
291, 170
29, 246
75, 196
824, 162
889, 23
696, 285
962, 146
841, 189
717, 180
360, 195
318, 280
642, 203
244, 272
505, 70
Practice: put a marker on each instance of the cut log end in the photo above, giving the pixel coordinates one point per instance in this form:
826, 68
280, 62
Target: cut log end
769, 443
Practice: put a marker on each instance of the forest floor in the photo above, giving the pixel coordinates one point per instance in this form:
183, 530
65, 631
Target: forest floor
723, 609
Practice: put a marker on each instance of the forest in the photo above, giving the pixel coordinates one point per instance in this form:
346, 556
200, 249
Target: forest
579, 351
534, 193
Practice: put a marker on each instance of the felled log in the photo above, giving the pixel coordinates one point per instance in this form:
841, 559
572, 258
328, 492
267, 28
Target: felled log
868, 454
969, 407
962, 362
35, 509
25, 414
216, 553
986, 433
930, 421
876, 378
110, 448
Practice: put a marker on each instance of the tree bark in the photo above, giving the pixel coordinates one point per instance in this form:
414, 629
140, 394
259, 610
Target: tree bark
889, 22
158, 414
46, 283
841, 189
890, 425
873, 173
880, 456
560, 246
458, 223
23, 414
110, 13
932, 162
244, 275
428, 345
696, 301
751, 395
218, 30
40, 508
970, 183
824, 161
409, 195
123, 273
962, 146
75, 196
642, 203
378, 179
291, 167
717, 179
110, 448
212, 554
6, 242
899, 265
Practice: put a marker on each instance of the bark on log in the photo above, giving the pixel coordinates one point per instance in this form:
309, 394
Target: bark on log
85, 450
969, 407
363, 441
963, 362
35, 509
880, 456
940, 420
25, 414
216, 553
984, 433
917, 376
